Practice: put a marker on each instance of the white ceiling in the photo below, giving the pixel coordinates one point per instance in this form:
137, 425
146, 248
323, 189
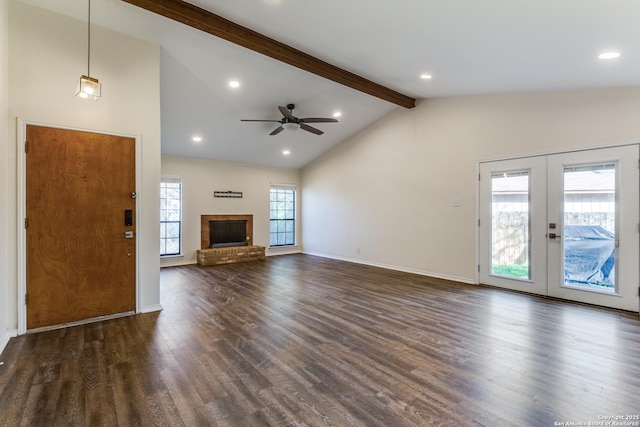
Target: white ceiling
468, 46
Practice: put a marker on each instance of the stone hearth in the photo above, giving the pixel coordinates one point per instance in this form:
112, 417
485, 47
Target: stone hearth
217, 256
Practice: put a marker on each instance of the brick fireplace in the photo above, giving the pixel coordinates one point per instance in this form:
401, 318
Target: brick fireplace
208, 256
205, 232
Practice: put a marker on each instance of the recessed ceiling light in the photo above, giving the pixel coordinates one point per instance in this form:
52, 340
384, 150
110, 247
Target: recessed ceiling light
425, 76
286, 152
197, 139
234, 84
337, 114
609, 55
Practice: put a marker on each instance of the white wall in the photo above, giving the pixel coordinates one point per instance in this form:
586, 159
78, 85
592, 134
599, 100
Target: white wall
4, 176
47, 55
413, 164
201, 177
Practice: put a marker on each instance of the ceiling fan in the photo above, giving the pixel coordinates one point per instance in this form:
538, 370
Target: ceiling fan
291, 122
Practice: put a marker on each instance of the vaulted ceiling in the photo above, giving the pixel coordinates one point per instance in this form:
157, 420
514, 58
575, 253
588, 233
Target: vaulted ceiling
466, 46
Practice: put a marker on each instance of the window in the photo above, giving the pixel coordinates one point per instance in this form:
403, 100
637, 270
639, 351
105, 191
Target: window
170, 216
510, 218
283, 209
590, 227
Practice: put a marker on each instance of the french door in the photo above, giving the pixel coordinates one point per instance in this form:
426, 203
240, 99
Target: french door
563, 225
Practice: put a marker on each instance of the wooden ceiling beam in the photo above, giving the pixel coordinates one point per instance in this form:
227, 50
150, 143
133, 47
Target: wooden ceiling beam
218, 26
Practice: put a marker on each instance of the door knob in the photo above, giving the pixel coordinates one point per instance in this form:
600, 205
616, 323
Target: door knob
554, 235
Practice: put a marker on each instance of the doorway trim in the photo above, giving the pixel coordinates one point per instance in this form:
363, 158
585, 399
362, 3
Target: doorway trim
22, 210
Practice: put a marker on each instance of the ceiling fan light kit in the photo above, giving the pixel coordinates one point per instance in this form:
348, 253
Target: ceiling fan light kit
291, 126
291, 122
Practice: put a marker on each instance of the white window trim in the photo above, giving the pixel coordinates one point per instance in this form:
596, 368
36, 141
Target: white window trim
286, 186
174, 180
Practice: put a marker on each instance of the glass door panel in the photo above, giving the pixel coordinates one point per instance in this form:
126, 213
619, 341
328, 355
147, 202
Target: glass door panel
512, 209
590, 227
510, 224
593, 199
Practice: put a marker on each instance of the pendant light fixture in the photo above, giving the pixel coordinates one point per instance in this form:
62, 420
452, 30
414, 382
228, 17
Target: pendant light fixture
88, 87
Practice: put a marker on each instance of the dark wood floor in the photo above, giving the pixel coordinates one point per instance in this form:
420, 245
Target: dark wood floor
302, 340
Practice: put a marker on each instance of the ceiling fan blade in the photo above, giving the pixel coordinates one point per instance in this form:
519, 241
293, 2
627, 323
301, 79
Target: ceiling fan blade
270, 121
317, 120
286, 113
311, 129
277, 131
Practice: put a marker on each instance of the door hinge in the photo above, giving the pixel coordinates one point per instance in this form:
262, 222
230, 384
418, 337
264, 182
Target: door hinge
478, 268
26, 299
478, 177
26, 147
478, 222
26, 223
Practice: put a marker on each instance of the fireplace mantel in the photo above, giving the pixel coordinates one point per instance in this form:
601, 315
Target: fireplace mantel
204, 227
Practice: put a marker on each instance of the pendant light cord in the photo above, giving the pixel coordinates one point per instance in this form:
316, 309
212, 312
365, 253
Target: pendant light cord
89, 40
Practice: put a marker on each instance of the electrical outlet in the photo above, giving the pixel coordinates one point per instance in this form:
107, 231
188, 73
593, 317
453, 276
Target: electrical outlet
357, 250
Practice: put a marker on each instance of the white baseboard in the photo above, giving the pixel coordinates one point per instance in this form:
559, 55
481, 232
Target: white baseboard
282, 250
151, 308
5, 339
178, 263
397, 268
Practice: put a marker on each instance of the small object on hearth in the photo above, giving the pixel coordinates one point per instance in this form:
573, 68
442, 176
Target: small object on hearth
228, 194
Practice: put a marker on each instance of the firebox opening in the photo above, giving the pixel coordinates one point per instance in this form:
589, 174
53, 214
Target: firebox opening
227, 233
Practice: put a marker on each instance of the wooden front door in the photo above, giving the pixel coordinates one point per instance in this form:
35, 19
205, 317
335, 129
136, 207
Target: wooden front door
79, 188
